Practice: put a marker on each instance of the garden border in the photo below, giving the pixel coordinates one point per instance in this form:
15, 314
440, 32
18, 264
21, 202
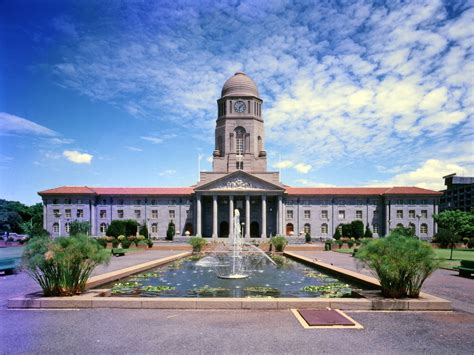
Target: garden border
100, 298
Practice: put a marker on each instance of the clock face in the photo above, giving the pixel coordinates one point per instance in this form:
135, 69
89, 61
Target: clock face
239, 106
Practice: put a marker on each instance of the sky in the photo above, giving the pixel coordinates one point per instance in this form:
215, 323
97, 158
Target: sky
123, 93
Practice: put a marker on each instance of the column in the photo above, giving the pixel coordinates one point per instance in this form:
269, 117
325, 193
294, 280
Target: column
280, 215
387, 218
198, 216
231, 216
264, 216
435, 225
214, 216
247, 216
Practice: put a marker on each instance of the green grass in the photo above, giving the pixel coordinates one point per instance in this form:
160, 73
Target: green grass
344, 251
458, 255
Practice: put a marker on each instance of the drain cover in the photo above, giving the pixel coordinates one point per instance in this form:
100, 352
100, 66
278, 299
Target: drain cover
324, 317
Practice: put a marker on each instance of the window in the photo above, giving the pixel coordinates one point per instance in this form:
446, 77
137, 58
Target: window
154, 213
55, 201
376, 214
324, 214
138, 214
103, 214
424, 228
424, 214
412, 227
411, 214
103, 228
239, 165
324, 228
56, 213
239, 140
67, 201
68, 213
172, 202
189, 213
307, 228
399, 202
341, 202
400, 225
172, 214
307, 214
104, 201
79, 201
359, 214
138, 202
289, 214
154, 228
120, 213
399, 213
56, 228
375, 227
80, 213
342, 214
153, 202
120, 202
67, 227
411, 202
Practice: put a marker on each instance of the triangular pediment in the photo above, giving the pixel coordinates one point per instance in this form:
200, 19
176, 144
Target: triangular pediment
239, 181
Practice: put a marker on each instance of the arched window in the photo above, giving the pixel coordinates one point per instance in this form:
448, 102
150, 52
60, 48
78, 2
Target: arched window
289, 229
307, 228
67, 227
56, 228
103, 228
400, 225
239, 140
324, 228
424, 228
412, 227
154, 228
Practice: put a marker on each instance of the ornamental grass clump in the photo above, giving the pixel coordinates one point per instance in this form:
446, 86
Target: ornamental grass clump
197, 243
400, 263
279, 242
62, 266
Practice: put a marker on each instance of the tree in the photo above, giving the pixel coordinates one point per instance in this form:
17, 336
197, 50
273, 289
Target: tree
403, 231
171, 231
19, 218
455, 225
79, 227
368, 232
337, 234
357, 228
347, 230
115, 229
144, 231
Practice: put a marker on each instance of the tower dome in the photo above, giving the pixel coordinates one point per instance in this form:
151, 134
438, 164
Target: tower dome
239, 85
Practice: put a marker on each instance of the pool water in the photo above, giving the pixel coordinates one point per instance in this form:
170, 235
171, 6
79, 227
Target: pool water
183, 278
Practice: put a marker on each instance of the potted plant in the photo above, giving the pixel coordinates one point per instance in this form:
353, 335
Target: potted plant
197, 243
279, 242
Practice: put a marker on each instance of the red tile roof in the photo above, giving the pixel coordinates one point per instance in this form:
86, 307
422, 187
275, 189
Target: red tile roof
118, 190
352, 191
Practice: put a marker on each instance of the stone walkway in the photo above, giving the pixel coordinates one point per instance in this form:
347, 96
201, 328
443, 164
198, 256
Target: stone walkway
443, 283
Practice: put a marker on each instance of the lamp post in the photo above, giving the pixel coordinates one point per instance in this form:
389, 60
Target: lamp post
418, 226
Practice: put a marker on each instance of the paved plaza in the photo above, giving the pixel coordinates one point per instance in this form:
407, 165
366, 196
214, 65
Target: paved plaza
121, 331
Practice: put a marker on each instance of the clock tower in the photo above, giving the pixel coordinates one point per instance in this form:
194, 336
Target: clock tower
239, 134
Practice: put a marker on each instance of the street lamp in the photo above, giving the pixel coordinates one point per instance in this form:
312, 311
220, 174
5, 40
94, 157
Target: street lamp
418, 227
59, 223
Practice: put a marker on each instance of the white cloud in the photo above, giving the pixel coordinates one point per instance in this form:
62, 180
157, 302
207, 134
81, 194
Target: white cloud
284, 164
313, 183
154, 140
11, 124
303, 168
134, 149
78, 157
429, 175
169, 172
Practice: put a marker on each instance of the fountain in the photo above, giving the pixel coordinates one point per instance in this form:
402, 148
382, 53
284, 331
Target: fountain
236, 260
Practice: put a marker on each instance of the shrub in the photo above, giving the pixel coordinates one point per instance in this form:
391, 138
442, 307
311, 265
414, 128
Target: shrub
400, 263
132, 239
141, 238
279, 242
122, 227
150, 243
126, 243
368, 233
465, 240
403, 231
62, 266
443, 237
351, 242
171, 231
470, 243
347, 230
78, 227
339, 243
337, 234
115, 243
357, 229
102, 241
197, 243
144, 231
121, 238
141, 242
307, 238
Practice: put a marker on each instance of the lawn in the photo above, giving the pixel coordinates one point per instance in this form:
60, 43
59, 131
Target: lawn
442, 254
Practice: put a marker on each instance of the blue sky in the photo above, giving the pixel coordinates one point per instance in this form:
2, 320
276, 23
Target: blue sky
123, 93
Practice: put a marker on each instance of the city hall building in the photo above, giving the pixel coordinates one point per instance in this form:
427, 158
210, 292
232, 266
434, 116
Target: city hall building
240, 180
